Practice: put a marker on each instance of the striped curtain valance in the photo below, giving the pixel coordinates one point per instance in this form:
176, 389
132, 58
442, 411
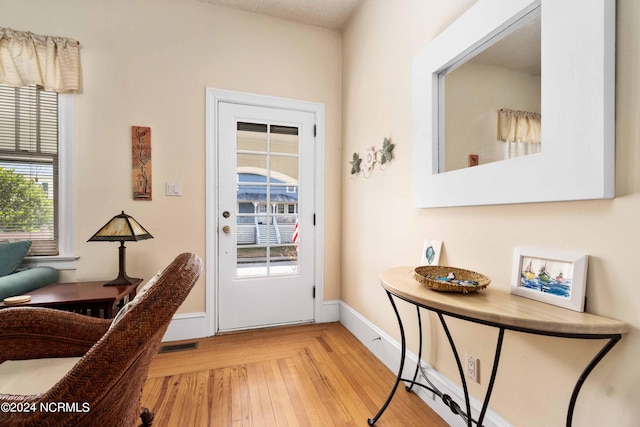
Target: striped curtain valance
50, 62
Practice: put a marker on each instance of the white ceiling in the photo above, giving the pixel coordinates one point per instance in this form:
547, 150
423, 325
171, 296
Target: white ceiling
518, 51
333, 14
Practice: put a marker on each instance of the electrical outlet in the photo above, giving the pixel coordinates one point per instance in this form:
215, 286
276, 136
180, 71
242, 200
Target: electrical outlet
472, 367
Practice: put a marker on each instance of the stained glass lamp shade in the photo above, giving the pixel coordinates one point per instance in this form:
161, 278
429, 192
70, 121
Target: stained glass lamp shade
121, 228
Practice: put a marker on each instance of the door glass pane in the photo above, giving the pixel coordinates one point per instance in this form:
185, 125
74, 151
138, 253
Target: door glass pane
267, 200
282, 166
249, 162
251, 261
284, 139
252, 137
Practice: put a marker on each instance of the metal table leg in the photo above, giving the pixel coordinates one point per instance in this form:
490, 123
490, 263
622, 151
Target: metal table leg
415, 374
403, 353
452, 404
494, 373
613, 340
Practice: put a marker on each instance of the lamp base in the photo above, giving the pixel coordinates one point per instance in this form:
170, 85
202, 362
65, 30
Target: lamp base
121, 280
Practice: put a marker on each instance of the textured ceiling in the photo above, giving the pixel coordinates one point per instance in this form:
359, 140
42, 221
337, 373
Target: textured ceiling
332, 14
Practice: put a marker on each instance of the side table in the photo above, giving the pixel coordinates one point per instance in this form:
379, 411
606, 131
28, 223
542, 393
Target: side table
88, 298
500, 310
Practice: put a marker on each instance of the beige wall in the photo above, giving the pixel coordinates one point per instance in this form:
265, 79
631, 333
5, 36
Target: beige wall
147, 63
381, 229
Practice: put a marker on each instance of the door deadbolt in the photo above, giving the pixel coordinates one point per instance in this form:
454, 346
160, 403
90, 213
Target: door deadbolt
226, 229
226, 214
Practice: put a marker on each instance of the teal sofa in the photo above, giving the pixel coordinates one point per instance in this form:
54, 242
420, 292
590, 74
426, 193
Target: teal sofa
19, 281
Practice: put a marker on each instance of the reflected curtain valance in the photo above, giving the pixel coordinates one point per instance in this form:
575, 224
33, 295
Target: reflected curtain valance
50, 62
519, 126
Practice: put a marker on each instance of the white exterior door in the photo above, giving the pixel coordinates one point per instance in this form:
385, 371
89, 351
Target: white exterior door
265, 216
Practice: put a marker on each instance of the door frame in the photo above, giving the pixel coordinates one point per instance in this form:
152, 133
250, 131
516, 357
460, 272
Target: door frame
213, 98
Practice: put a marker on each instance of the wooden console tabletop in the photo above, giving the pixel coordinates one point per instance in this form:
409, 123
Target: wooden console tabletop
496, 307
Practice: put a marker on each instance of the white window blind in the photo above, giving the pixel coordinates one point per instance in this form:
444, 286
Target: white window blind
29, 167
513, 149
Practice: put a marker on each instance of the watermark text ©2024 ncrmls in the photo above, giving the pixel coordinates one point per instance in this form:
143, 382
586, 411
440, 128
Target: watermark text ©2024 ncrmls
49, 407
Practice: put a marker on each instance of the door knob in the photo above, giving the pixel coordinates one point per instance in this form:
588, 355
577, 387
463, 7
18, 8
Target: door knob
226, 229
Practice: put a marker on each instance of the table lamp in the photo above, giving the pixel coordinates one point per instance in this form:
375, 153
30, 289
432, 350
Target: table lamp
121, 228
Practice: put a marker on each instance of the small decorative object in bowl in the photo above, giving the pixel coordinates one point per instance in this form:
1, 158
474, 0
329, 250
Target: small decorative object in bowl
451, 279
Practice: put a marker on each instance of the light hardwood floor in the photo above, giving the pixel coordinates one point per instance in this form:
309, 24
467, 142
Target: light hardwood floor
312, 375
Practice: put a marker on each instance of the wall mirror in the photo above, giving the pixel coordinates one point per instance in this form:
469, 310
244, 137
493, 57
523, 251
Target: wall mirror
456, 123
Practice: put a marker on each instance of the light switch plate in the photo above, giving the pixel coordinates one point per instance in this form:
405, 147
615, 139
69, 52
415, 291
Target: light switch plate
173, 189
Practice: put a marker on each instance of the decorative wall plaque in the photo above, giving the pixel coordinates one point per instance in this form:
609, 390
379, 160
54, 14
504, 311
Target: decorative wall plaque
141, 162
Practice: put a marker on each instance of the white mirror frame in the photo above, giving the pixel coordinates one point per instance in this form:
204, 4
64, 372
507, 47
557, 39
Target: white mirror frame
577, 161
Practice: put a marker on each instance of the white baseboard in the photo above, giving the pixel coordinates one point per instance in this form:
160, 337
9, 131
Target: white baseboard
187, 326
330, 312
388, 351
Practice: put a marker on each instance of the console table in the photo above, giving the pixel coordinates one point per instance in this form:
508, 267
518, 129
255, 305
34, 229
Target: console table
89, 298
497, 309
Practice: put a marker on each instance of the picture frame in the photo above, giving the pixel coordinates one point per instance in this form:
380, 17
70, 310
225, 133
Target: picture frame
431, 252
552, 277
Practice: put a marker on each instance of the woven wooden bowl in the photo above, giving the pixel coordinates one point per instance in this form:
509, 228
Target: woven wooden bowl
464, 281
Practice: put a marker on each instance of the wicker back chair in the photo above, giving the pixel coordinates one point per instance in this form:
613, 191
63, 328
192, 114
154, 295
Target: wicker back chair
106, 384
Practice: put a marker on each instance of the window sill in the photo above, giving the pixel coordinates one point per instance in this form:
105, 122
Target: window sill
58, 262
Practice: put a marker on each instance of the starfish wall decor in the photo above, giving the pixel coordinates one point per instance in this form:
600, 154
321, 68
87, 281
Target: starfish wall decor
355, 164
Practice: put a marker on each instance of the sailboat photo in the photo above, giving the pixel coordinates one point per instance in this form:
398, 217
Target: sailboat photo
544, 281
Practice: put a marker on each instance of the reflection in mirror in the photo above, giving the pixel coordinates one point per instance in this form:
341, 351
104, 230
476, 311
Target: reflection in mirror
492, 99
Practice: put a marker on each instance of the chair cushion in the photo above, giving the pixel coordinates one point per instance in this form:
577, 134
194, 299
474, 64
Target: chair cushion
123, 310
11, 255
146, 287
33, 376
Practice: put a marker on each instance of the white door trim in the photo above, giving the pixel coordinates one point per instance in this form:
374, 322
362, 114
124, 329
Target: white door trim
213, 98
